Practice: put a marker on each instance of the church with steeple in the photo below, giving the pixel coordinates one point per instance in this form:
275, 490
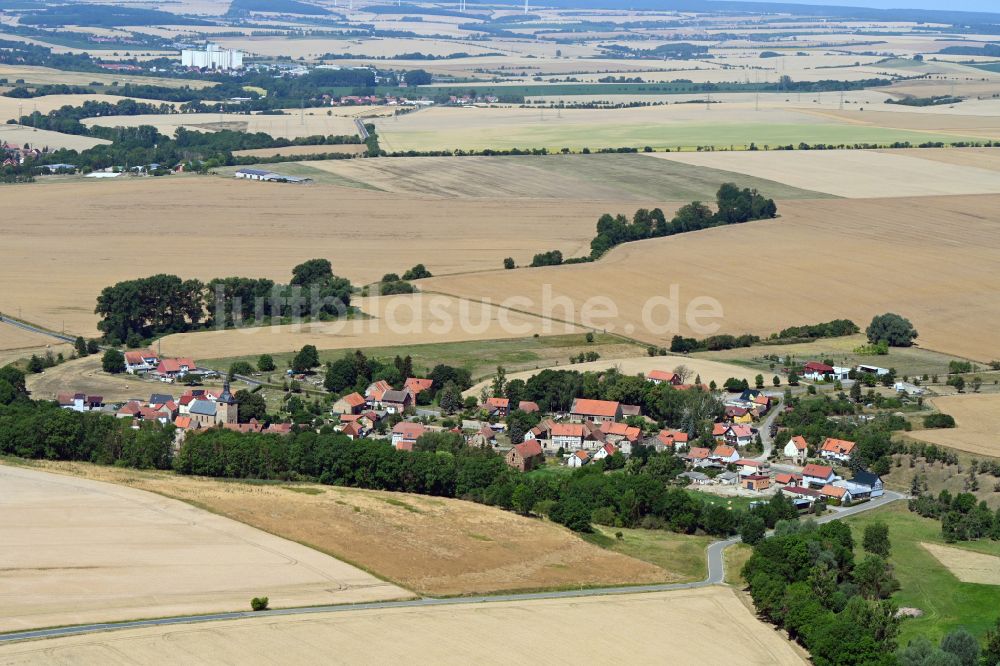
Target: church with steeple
205, 412
226, 408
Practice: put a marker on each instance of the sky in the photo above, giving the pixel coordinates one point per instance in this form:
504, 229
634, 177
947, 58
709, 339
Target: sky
961, 5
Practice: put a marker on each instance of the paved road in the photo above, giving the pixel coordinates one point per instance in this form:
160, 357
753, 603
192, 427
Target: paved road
716, 576
34, 329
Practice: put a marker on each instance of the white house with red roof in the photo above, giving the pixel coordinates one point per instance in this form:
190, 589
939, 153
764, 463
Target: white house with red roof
566, 436
497, 406
416, 385
840, 450
725, 454
674, 440
578, 459
739, 435
796, 449
605, 451
174, 368
140, 360
663, 377
406, 433
817, 476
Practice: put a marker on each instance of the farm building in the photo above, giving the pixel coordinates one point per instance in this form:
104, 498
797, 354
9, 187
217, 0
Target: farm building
269, 176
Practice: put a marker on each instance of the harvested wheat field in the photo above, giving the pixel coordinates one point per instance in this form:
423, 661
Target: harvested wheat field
21, 135
17, 343
709, 371
977, 419
931, 259
55, 274
288, 126
78, 551
10, 106
967, 566
853, 173
45, 75
84, 375
658, 624
611, 177
983, 127
981, 158
431, 545
392, 320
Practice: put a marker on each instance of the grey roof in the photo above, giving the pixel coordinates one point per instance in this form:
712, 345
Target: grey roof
395, 396
160, 398
866, 478
256, 172
202, 407
694, 476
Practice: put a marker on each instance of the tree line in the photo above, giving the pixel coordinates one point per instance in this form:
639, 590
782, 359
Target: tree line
134, 310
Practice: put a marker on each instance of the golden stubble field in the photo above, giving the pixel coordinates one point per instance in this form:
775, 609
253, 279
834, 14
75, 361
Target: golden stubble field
931, 259
861, 173
292, 125
431, 545
78, 551
16, 343
967, 566
977, 419
72, 239
652, 625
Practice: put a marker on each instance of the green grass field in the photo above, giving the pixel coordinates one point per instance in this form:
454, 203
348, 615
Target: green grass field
576, 136
301, 171
925, 583
680, 554
481, 358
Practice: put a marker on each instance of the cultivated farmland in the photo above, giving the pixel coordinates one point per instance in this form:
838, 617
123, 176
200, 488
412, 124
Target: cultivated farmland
288, 126
428, 635
977, 418
80, 551
967, 566
856, 173
432, 545
930, 258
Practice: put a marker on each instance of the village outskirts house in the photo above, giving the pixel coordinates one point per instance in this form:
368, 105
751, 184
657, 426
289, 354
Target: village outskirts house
836, 449
739, 435
396, 402
525, 456
405, 435
140, 360
352, 403
817, 476
80, 402
725, 454
664, 377
497, 407
797, 449
578, 459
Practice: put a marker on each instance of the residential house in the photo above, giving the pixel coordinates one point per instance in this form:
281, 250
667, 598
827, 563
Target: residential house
415, 385
175, 368
747, 467
762, 403
484, 438
631, 410
376, 390
739, 415
405, 434
80, 402
353, 430
817, 371
675, 440
697, 455
756, 482
664, 377
605, 451
725, 454
595, 411
802, 493
141, 360
697, 478
727, 478
578, 459
525, 456
618, 432
869, 483
787, 479
817, 476
836, 494
836, 449
352, 403
719, 431
797, 449
739, 435
567, 436
497, 407
397, 402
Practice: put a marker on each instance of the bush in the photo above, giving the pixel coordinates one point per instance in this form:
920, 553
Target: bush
113, 362
892, 329
939, 421
258, 603
509, 264
418, 272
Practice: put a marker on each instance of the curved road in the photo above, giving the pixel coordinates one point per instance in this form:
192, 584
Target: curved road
716, 576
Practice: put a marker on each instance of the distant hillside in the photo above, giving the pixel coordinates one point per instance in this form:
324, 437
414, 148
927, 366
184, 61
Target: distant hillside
274, 6
104, 16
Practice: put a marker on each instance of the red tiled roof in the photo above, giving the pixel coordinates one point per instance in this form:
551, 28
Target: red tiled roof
800, 442
742, 430
416, 384
595, 407
723, 451
611, 449
839, 446
582, 455
498, 402
408, 429
719, 429
698, 453
799, 490
661, 376
528, 406
746, 462
817, 471
833, 491
183, 422
529, 449
567, 430
354, 399
814, 366
787, 477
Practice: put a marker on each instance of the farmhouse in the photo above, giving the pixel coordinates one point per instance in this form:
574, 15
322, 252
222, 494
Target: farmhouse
80, 402
836, 449
618, 432
739, 435
376, 390
567, 436
525, 456
578, 459
268, 176
174, 368
397, 402
796, 449
352, 403
664, 377
672, 439
141, 360
416, 385
497, 406
725, 454
595, 411
817, 371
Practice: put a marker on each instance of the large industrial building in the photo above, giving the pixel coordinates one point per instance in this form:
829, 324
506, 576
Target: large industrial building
213, 57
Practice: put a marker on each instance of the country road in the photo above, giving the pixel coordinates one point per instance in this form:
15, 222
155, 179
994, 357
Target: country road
716, 576
34, 329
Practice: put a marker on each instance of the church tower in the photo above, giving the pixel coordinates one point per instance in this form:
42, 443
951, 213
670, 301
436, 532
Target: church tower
226, 408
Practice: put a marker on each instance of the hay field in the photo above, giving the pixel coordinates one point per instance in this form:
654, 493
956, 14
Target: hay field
610, 177
9, 106
289, 151
709, 371
17, 343
289, 126
929, 123
394, 321
967, 566
853, 173
673, 623
79, 551
977, 417
41, 138
679, 125
54, 273
931, 259
980, 158
85, 375
432, 545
